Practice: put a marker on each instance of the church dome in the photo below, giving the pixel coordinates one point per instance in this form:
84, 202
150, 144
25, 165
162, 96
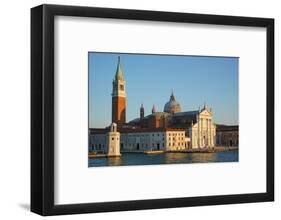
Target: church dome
172, 106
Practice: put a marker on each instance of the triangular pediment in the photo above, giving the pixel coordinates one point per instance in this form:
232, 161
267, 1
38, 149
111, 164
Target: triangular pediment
206, 112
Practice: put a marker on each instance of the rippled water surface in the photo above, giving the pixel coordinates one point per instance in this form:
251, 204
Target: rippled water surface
164, 158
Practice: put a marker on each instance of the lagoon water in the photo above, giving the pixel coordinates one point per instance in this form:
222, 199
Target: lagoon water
164, 158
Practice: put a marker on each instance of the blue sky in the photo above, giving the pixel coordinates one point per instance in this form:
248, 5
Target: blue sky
151, 78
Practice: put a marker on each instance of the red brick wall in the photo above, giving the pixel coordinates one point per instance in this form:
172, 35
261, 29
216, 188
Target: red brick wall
119, 110
156, 122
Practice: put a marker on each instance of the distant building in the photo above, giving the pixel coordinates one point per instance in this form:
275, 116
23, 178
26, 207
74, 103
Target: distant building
166, 139
169, 130
227, 135
139, 140
199, 125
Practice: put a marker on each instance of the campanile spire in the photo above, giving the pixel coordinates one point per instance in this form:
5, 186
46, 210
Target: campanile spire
119, 96
119, 73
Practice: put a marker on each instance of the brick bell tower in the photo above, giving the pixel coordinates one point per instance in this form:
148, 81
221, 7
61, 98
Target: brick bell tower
119, 97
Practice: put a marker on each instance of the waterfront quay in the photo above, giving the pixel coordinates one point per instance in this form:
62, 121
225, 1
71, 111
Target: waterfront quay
198, 150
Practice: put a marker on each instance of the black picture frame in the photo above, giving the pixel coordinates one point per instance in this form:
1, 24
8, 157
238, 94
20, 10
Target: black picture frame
42, 109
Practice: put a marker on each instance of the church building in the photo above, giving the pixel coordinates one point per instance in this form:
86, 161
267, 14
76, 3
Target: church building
171, 129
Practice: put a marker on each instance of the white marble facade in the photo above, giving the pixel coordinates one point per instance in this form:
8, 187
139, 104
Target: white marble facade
203, 132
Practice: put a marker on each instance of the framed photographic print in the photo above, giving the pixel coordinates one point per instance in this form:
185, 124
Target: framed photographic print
136, 109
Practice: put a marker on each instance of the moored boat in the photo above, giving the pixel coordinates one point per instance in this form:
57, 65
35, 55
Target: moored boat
154, 152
